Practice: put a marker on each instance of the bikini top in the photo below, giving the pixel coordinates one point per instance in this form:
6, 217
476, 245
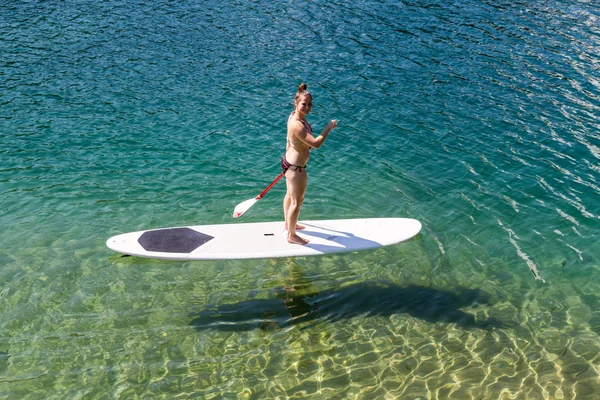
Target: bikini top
306, 126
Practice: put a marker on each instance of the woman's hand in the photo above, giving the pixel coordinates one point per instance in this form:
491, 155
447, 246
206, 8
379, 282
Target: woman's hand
332, 124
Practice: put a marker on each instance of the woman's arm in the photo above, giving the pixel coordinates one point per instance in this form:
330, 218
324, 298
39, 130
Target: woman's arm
300, 132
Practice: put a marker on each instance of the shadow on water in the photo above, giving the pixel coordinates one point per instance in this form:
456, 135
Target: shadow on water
301, 304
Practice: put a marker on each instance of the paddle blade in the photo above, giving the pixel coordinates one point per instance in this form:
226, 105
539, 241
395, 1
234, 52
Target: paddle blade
244, 206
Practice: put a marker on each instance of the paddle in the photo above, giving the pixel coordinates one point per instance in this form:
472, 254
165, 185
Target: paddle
244, 206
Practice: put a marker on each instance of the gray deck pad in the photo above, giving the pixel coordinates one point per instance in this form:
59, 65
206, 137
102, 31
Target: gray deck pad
173, 240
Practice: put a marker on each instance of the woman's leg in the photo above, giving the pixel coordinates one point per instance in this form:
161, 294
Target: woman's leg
287, 200
296, 188
286, 204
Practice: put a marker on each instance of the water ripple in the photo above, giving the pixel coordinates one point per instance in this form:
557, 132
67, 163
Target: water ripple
478, 118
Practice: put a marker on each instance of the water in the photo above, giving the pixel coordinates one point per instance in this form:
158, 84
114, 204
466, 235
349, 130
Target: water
478, 118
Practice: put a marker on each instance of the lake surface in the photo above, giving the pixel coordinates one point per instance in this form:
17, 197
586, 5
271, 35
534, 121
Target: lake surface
478, 118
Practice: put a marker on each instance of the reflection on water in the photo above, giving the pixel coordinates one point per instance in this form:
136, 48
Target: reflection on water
372, 338
297, 302
478, 118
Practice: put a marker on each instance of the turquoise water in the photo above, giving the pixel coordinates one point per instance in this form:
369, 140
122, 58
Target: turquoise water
478, 118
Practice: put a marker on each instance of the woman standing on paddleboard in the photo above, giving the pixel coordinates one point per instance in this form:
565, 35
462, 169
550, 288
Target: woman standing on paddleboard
300, 140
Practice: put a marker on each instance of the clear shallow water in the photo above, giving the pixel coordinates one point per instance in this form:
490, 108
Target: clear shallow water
479, 119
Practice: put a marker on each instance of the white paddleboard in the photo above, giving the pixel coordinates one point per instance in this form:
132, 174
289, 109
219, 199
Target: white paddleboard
264, 239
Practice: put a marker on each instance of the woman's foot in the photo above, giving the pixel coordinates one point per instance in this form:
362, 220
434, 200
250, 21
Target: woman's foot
295, 239
298, 227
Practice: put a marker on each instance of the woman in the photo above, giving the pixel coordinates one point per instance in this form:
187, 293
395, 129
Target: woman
300, 140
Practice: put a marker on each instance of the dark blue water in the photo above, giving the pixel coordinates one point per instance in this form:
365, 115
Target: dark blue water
478, 118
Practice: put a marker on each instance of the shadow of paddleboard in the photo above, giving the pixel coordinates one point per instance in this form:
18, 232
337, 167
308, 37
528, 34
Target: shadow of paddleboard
292, 307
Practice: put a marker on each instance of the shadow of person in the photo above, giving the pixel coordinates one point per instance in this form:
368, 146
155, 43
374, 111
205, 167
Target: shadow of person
291, 303
343, 240
300, 303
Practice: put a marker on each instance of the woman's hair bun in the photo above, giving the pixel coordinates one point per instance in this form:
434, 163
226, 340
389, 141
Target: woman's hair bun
301, 92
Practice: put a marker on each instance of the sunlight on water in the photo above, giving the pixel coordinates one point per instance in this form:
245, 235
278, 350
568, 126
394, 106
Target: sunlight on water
479, 119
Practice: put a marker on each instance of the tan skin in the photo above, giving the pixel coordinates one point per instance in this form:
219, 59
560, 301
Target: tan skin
300, 141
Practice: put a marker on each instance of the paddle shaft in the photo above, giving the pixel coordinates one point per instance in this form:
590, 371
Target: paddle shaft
260, 196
